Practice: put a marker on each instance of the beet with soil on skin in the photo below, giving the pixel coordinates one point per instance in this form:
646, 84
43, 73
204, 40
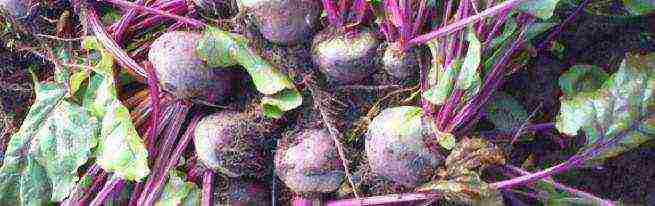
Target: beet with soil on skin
233, 143
284, 22
181, 72
396, 146
346, 56
243, 193
400, 64
308, 163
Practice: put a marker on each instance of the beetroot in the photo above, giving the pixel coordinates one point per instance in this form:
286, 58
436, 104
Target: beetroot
398, 63
241, 193
345, 56
232, 143
15, 8
284, 21
396, 146
308, 163
182, 73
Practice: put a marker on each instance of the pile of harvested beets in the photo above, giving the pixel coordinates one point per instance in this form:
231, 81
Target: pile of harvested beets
308, 102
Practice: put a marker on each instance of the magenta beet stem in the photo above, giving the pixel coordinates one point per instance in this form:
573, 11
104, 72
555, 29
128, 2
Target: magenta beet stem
112, 47
464, 22
300, 201
207, 185
386, 199
127, 4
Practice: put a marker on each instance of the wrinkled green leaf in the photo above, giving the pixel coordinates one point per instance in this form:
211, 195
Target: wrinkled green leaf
220, 49
624, 105
178, 192
538, 28
120, 148
42, 158
639, 7
469, 77
438, 93
582, 78
542, 9
506, 113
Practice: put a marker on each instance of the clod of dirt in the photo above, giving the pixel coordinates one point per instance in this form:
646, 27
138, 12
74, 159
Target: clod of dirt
184, 74
345, 56
284, 22
242, 193
396, 146
308, 163
400, 64
233, 143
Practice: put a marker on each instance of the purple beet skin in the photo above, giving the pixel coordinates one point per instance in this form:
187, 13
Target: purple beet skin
396, 146
308, 163
182, 73
347, 57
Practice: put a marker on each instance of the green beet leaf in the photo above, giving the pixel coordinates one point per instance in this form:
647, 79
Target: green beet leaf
506, 113
542, 9
439, 93
179, 192
623, 107
221, 49
639, 7
469, 77
582, 78
120, 149
43, 157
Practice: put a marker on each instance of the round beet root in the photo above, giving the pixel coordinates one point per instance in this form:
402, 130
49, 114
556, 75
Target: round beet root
284, 22
232, 143
182, 73
308, 163
240, 193
15, 8
345, 56
396, 148
398, 63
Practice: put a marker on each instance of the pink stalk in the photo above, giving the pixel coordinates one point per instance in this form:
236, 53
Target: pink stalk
333, 15
501, 20
418, 21
571, 163
576, 192
492, 81
361, 6
386, 199
124, 23
300, 201
97, 184
172, 161
127, 4
207, 186
79, 192
134, 198
464, 22
446, 111
153, 87
112, 47
159, 168
106, 190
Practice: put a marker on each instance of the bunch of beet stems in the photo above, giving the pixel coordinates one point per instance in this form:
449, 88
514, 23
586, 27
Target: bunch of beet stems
148, 106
